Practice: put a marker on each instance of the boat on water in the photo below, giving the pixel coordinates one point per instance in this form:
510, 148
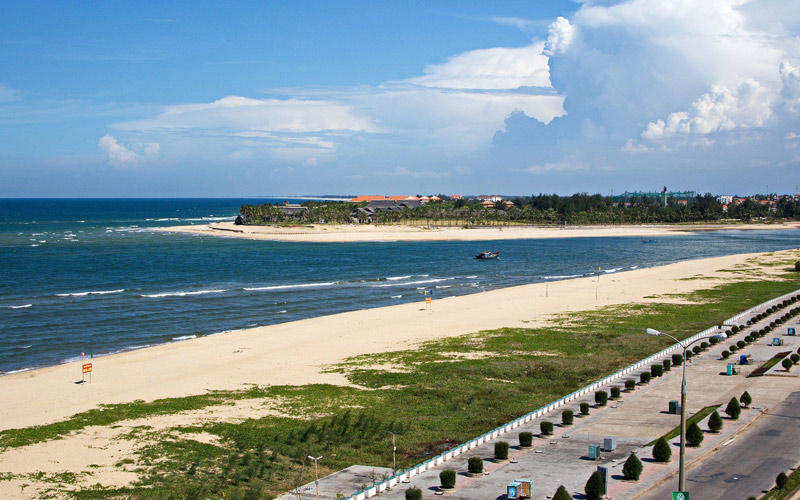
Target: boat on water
487, 255
648, 241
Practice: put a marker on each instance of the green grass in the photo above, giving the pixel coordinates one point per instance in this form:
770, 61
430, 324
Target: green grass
435, 401
696, 418
794, 482
761, 370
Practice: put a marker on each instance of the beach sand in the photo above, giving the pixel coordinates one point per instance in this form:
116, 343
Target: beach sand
330, 233
297, 353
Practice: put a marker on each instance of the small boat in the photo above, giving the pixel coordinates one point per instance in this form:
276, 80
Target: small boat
648, 241
487, 255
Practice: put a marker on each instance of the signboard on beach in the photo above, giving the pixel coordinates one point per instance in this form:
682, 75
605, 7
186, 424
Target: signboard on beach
87, 368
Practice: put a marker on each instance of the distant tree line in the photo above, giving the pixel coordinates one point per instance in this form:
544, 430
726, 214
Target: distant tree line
580, 208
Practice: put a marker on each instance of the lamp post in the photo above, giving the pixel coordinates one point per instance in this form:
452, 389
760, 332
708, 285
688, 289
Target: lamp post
681, 470
394, 452
316, 472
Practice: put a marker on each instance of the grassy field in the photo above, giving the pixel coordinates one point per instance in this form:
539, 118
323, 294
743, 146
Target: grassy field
434, 397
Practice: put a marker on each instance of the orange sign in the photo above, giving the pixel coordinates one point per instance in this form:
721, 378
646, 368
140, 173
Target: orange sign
427, 300
87, 368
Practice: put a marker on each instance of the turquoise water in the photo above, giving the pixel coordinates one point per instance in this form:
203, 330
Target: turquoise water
87, 276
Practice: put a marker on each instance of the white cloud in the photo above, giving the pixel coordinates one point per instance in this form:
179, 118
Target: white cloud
123, 156
790, 91
496, 68
630, 147
559, 36
517, 22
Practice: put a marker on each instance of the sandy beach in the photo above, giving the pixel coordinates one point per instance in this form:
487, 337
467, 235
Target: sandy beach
327, 233
297, 352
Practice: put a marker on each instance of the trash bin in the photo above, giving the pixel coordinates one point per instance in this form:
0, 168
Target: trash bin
525, 489
513, 491
594, 451
609, 444
674, 407
729, 370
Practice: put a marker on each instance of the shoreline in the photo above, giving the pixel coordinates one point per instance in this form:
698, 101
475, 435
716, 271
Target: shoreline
351, 233
298, 352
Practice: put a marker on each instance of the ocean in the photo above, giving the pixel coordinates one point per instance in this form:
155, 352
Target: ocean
88, 276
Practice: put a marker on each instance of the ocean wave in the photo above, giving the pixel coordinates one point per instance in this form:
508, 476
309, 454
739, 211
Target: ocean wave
283, 311
84, 294
418, 282
185, 337
471, 277
442, 286
562, 277
25, 346
634, 267
396, 296
179, 294
609, 271
24, 306
395, 278
287, 287
212, 218
17, 371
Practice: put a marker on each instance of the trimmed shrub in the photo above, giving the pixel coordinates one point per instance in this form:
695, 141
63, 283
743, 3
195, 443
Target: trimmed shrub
667, 365
656, 370
714, 340
781, 481
562, 494
795, 358
501, 450
733, 409
661, 451
615, 392
475, 465
798, 350
726, 354
413, 494
566, 417
584, 408
745, 399
448, 479
600, 398
748, 339
704, 345
694, 435
689, 355
741, 344
632, 468
630, 384
733, 348
595, 487
546, 428
525, 439
786, 364
697, 349
644, 377
715, 422
677, 359
735, 329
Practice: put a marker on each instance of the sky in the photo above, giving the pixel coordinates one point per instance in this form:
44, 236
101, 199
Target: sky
213, 99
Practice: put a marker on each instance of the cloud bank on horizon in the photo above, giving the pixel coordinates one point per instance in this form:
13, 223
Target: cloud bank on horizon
697, 94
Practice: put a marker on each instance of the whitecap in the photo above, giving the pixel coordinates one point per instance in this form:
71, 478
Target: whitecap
287, 287
24, 306
393, 278
443, 286
562, 277
418, 282
283, 311
179, 294
84, 294
397, 296
471, 277
185, 337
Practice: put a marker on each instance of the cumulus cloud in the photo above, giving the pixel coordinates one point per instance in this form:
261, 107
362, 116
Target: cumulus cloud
495, 68
122, 156
559, 36
790, 81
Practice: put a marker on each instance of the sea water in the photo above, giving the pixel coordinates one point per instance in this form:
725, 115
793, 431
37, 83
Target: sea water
88, 276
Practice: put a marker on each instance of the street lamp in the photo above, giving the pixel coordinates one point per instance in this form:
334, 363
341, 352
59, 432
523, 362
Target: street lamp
681, 472
316, 472
394, 452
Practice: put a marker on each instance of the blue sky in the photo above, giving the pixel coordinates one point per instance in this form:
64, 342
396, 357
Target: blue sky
317, 97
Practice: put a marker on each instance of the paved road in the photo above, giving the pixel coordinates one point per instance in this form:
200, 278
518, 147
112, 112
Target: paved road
747, 466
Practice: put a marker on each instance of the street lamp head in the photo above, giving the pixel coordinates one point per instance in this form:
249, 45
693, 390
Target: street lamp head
719, 336
651, 331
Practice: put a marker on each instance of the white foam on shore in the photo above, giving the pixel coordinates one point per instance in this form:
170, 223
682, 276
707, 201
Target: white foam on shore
179, 294
24, 306
17, 371
288, 287
84, 294
419, 282
185, 337
564, 277
609, 271
394, 278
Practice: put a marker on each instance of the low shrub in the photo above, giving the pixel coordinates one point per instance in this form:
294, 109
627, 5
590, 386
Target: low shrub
694, 435
501, 450
546, 428
525, 439
726, 354
689, 355
748, 339
595, 487
448, 479
733, 410
632, 468
584, 408
615, 392
475, 465
562, 494
656, 370
795, 358
735, 329
741, 344
600, 398
781, 481
704, 345
697, 349
745, 399
667, 365
645, 377
630, 384
677, 359
798, 350
567, 417
413, 494
733, 348
786, 364
661, 451
714, 340
715, 422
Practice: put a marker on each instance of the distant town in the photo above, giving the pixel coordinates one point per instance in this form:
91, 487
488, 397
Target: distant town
492, 209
